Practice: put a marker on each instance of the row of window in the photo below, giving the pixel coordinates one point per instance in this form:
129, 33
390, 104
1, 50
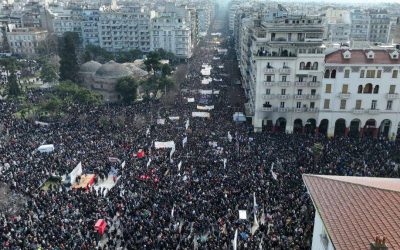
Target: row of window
282, 105
284, 78
367, 89
363, 73
299, 91
358, 106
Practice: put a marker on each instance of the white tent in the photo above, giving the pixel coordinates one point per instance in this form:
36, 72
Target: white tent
46, 148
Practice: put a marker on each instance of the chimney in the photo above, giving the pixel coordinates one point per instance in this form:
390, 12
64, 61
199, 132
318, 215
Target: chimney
379, 243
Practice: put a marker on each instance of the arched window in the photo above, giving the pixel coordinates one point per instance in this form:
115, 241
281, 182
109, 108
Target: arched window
376, 89
333, 74
301, 65
308, 65
327, 73
315, 66
360, 89
368, 88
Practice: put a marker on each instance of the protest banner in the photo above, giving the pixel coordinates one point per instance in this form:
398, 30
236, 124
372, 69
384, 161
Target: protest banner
161, 121
201, 114
167, 144
205, 91
190, 100
199, 107
76, 172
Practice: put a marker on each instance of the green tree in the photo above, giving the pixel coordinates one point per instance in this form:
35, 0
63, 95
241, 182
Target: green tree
13, 88
166, 70
73, 93
165, 83
52, 105
97, 53
127, 88
152, 62
48, 73
68, 64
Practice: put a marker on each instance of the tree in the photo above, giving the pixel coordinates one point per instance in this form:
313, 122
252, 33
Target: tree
165, 83
69, 65
13, 88
129, 56
97, 53
152, 62
48, 73
166, 70
127, 88
72, 92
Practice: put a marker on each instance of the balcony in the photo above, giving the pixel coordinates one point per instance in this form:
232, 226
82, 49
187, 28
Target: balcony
344, 95
285, 71
373, 111
314, 84
270, 71
283, 97
299, 110
269, 84
392, 96
283, 110
267, 109
300, 84
313, 97
312, 110
284, 84
300, 97
268, 97
358, 111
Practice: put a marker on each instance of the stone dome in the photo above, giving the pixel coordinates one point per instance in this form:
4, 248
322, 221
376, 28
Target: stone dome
113, 70
90, 67
136, 71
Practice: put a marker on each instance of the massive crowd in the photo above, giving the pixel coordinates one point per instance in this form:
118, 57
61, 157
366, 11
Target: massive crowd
189, 200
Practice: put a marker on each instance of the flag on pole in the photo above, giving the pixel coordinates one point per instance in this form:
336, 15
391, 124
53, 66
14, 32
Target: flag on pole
171, 153
229, 136
147, 132
274, 175
123, 165
179, 166
187, 124
225, 160
254, 201
148, 163
184, 141
235, 240
172, 211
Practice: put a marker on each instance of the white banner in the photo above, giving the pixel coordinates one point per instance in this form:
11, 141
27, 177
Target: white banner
201, 114
216, 92
205, 91
190, 99
174, 118
46, 148
242, 215
42, 123
205, 107
179, 166
113, 159
184, 141
76, 172
161, 121
167, 144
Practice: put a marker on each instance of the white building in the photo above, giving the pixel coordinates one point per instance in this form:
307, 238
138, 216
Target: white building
337, 25
359, 96
379, 29
25, 41
354, 212
359, 25
89, 26
281, 63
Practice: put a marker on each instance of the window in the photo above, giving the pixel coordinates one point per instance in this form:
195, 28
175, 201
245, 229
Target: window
283, 91
302, 65
312, 105
367, 88
389, 105
313, 91
298, 105
373, 104
345, 88
394, 73
282, 104
283, 78
268, 91
299, 92
268, 78
360, 89
328, 88
326, 103
301, 78
362, 73
314, 79
379, 74
327, 73
358, 104
376, 89
333, 74
392, 89
346, 73
342, 104
370, 73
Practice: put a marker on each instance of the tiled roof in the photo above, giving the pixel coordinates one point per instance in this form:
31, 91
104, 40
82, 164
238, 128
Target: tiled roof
359, 57
356, 209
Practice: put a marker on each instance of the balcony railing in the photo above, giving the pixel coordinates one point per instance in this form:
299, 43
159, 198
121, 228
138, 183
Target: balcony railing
283, 110
313, 97
358, 111
392, 96
344, 95
300, 97
312, 110
373, 111
284, 71
269, 84
270, 71
268, 97
283, 97
299, 110
284, 84
314, 84
300, 84
267, 109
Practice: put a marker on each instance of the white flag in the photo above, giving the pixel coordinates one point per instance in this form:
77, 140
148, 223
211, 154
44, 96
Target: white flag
171, 153
254, 201
225, 160
173, 210
123, 165
179, 166
229, 136
148, 163
235, 240
274, 175
187, 124
184, 141
147, 131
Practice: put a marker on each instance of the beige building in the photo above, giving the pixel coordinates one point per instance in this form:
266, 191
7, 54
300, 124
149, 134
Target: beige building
103, 78
25, 40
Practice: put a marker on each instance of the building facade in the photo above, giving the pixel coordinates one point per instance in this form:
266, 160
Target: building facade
359, 95
359, 25
26, 41
379, 29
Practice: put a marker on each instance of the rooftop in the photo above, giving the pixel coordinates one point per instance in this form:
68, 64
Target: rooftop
356, 209
358, 56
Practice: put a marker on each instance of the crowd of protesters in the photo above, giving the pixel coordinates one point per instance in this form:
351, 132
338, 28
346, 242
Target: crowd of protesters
190, 200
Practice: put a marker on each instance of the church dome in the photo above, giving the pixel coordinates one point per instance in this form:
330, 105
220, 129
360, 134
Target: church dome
90, 67
113, 70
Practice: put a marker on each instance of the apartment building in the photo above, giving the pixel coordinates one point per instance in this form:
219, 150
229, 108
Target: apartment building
90, 26
360, 22
359, 95
281, 62
25, 41
379, 29
337, 25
